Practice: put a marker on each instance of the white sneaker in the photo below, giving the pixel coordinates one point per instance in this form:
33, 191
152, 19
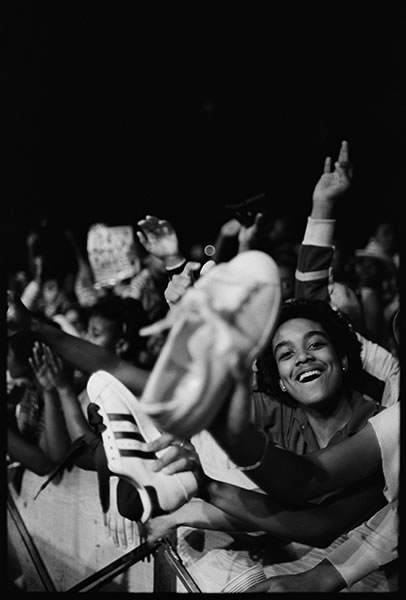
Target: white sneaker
125, 427
222, 323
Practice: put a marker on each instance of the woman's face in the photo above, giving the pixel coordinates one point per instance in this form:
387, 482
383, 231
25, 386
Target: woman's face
308, 365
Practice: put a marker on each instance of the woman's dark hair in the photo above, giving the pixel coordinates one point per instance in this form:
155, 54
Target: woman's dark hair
338, 329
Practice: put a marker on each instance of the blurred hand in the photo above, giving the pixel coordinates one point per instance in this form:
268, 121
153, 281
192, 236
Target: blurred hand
38, 264
32, 238
230, 228
178, 285
159, 238
333, 184
250, 237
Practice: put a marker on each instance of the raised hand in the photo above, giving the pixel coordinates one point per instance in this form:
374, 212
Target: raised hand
250, 236
230, 228
333, 183
178, 285
159, 238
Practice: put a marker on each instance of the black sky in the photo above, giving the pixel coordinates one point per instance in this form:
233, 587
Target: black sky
117, 112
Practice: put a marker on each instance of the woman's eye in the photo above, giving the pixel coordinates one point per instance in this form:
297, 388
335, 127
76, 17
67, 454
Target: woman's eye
316, 345
285, 355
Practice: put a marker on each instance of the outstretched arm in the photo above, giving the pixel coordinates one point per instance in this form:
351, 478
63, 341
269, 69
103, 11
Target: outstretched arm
317, 249
294, 478
231, 508
29, 455
55, 379
312, 524
55, 439
368, 547
195, 513
77, 352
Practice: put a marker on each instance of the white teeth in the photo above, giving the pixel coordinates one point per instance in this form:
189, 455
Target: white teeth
304, 376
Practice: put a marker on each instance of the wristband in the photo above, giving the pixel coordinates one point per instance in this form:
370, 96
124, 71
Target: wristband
178, 268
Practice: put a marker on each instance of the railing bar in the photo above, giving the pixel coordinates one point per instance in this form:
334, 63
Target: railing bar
29, 544
115, 568
176, 563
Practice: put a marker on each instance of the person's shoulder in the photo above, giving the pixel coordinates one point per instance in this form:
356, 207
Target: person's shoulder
363, 408
271, 406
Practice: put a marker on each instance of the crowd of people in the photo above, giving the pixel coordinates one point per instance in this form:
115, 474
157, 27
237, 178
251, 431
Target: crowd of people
228, 393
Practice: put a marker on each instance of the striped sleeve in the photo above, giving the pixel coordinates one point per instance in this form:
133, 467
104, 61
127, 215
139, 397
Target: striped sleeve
369, 546
312, 272
314, 260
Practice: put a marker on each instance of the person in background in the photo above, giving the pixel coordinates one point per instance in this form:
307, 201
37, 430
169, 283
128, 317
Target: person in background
380, 376
33, 414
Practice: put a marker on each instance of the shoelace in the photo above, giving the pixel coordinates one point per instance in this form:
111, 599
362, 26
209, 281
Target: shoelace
197, 304
90, 439
79, 445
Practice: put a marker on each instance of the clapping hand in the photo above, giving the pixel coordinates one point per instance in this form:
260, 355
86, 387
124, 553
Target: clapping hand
48, 367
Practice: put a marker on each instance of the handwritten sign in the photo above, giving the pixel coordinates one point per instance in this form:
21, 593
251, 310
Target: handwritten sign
112, 254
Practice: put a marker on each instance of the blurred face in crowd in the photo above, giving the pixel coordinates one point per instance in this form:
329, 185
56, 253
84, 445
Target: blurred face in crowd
386, 237
50, 290
103, 332
374, 273
74, 318
308, 365
369, 271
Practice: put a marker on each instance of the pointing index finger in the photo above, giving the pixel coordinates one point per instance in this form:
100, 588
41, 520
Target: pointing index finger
343, 156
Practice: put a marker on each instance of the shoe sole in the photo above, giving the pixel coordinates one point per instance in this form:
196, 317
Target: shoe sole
183, 395
125, 426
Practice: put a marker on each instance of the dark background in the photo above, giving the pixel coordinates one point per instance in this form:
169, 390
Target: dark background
116, 112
